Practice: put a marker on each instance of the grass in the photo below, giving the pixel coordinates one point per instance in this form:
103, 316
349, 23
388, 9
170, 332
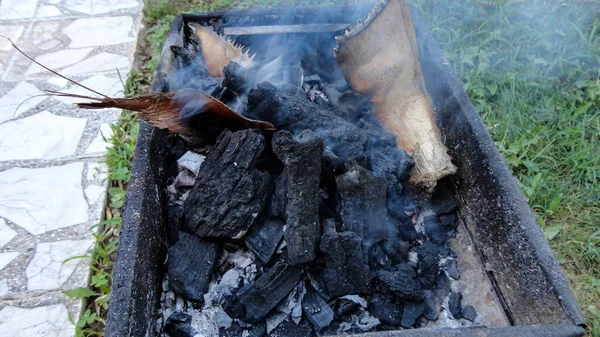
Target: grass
531, 69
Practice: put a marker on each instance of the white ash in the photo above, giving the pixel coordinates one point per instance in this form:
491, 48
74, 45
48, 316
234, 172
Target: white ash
356, 299
362, 320
188, 167
291, 308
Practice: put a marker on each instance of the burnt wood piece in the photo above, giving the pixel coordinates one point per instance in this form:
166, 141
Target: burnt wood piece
469, 313
178, 325
384, 308
290, 329
318, 312
229, 190
455, 305
412, 311
364, 202
268, 290
256, 330
346, 271
288, 108
302, 160
278, 198
264, 237
428, 268
190, 264
402, 282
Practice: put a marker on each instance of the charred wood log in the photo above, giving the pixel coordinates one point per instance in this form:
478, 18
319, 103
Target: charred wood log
179, 325
190, 265
269, 289
318, 312
229, 191
403, 282
302, 160
412, 312
263, 238
288, 108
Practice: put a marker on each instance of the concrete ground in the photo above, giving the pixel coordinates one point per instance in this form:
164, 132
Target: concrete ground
52, 188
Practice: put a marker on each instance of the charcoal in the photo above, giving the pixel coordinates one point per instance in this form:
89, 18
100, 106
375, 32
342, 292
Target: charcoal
268, 290
431, 309
407, 232
175, 222
428, 255
344, 307
449, 221
469, 313
451, 267
229, 190
190, 264
403, 282
179, 325
318, 312
312, 79
363, 200
442, 200
290, 329
268, 102
256, 330
455, 305
443, 285
346, 271
335, 90
384, 308
233, 307
412, 312
264, 237
237, 78
396, 250
302, 160
378, 258
434, 230
278, 202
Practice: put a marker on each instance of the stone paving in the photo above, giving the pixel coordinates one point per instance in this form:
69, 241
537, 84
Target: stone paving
52, 188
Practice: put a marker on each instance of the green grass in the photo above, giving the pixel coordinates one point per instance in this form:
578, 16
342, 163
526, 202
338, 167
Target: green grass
531, 69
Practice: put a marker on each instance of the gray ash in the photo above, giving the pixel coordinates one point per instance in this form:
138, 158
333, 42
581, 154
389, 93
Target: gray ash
309, 229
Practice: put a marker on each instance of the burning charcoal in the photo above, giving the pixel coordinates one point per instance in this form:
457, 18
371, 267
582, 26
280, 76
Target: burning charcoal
278, 199
363, 199
412, 312
290, 329
255, 330
402, 282
302, 160
431, 309
316, 310
268, 290
344, 307
190, 264
346, 271
229, 191
451, 267
263, 237
434, 230
385, 309
454, 305
469, 313
178, 325
267, 102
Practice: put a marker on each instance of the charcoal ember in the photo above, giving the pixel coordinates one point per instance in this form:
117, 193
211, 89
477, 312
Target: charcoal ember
431, 308
412, 312
387, 310
345, 307
363, 199
316, 310
268, 290
268, 102
428, 264
455, 304
434, 230
302, 160
403, 282
278, 202
179, 325
264, 237
469, 313
229, 191
289, 329
236, 330
378, 258
451, 267
407, 232
175, 222
190, 264
396, 250
346, 271
236, 77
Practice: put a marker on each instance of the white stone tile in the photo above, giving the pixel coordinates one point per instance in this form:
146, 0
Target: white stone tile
6, 233
43, 30
96, 171
98, 63
47, 270
23, 94
57, 81
58, 59
101, 31
41, 136
47, 321
44, 199
54, 2
6, 258
49, 44
12, 32
98, 6
110, 86
3, 287
98, 144
95, 194
17, 9
46, 11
